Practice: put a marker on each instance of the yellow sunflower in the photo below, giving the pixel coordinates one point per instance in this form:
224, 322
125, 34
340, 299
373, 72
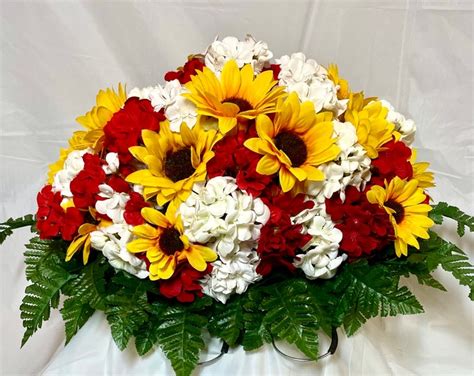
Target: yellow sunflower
294, 143
166, 245
369, 118
236, 95
333, 74
425, 178
108, 102
404, 203
175, 161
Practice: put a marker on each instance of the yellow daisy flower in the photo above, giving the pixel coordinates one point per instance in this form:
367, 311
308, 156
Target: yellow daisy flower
425, 178
83, 239
175, 161
55, 167
333, 74
294, 143
369, 118
108, 102
403, 201
237, 95
166, 245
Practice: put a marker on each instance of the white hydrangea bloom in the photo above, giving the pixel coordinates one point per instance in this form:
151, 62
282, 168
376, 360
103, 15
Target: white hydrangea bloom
232, 276
320, 261
112, 165
71, 168
352, 167
221, 216
248, 51
168, 97
320, 257
310, 81
406, 127
227, 220
113, 204
112, 242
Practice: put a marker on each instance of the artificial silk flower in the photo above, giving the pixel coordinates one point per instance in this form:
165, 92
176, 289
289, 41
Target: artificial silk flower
248, 51
404, 203
369, 118
425, 178
342, 85
236, 95
294, 143
174, 162
310, 81
405, 127
162, 239
108, 102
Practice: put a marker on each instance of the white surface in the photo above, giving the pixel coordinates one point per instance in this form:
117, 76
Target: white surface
56, 55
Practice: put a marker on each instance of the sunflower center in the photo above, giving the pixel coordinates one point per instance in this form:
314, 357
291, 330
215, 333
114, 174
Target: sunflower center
170, 242
398, 208
293, 146
178, 165
241, 103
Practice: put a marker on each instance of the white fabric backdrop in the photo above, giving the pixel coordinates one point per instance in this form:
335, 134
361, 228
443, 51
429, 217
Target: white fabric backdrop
56, 55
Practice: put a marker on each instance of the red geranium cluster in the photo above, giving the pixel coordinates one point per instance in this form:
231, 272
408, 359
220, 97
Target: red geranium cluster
365, 227
184, 286
133, 207
393, 160
85, 186
232, 158
184, 74
125, 128
52, 219
279, 238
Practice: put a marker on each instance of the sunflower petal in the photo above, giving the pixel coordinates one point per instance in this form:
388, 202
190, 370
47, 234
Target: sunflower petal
154, 216
268, 165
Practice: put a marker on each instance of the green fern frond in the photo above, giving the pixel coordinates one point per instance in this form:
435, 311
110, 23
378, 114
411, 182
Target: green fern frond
7, 227
370, 291
41, 255
39, 298
125, 314
75, 314
290, 316
180, 337
227, 320
89, 285
442, 209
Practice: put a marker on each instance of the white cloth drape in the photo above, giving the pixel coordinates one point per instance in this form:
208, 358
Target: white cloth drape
55, 55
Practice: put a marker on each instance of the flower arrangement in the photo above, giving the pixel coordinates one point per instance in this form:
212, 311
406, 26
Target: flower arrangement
253, 198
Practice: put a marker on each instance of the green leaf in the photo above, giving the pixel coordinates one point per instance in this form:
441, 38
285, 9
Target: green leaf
75, 314
369, 291
40, 297
125, 314
291, 316
452, 259
459, 266
255, 331
227, 320
180, 337
41, 255
146, 335
324, 305
429, 280
89, 285
7, 227
131, 282
442, 209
